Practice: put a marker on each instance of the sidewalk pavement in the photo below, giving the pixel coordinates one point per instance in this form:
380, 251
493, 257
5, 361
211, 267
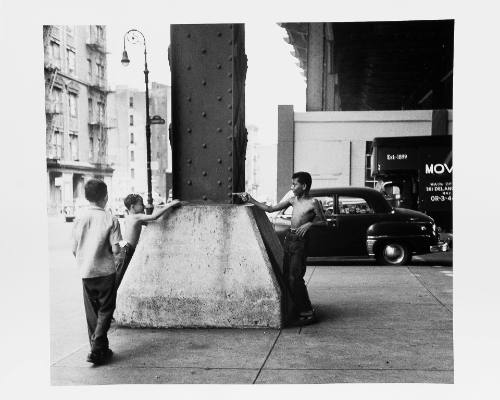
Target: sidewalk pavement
376, 324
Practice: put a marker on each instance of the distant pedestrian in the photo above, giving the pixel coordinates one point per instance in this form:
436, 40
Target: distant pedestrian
307, 211
96, 235
134, 220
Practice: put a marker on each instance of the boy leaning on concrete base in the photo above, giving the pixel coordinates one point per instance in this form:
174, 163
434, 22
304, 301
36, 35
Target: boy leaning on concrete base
96, 237
134, 221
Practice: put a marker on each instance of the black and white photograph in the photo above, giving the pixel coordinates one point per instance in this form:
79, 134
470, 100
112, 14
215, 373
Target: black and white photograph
238, 201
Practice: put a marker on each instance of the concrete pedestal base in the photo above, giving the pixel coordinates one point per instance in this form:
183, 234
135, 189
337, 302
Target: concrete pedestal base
204, 266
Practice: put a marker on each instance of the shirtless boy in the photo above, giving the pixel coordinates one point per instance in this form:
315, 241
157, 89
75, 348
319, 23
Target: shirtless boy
307, 211
134, 221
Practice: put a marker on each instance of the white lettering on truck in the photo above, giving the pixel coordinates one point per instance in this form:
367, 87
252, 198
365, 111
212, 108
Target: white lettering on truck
437, 168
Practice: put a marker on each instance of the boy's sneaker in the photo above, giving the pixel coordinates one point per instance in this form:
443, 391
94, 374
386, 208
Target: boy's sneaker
305, 318
99, 357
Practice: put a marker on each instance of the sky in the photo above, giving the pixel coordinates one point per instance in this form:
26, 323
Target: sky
273, 76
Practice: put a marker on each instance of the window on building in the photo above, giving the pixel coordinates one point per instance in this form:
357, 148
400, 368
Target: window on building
57, 148
70, 59
131, 123
100, 73
55, 50
132, 155
131, 138
100, 70
131, 102
55, 54
100, 111
91, 149
89, 65
91, 110
132, 173
73, 146
369, 180
100, 32
72, 105
56, 98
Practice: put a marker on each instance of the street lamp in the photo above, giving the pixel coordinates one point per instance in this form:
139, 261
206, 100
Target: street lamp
133, 37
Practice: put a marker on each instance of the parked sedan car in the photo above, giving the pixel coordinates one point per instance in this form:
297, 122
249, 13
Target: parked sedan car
362, 223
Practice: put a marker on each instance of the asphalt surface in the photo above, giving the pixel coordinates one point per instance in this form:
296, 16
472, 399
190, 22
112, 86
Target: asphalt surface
376, 324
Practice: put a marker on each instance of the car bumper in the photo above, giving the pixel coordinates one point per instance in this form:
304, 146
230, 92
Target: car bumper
441, 246
369, 246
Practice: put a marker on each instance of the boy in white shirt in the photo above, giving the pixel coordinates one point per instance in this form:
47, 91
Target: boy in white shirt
96, 235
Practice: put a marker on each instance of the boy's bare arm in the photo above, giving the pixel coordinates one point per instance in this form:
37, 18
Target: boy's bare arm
319, 217
159, 212
115, 248
263, 206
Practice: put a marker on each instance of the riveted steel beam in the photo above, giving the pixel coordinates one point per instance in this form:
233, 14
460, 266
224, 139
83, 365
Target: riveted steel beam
208, 64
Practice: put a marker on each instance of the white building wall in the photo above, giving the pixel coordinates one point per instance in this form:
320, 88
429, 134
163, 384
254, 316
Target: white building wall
331, 145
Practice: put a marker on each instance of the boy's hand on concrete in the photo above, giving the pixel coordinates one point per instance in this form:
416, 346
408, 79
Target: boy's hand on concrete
175, 203
244, 196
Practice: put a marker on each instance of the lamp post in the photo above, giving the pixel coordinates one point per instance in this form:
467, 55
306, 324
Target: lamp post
132, 36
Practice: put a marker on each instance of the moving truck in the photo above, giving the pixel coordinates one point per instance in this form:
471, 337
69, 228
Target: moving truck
415, 172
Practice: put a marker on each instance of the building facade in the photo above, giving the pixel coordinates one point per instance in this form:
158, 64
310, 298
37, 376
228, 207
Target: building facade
364, 80
76, 112
260, 166
128, 141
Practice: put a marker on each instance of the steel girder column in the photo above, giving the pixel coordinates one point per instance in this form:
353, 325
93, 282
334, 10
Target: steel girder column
208, 64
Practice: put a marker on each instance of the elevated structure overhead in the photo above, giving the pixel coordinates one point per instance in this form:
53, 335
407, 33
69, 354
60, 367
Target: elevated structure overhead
361, 66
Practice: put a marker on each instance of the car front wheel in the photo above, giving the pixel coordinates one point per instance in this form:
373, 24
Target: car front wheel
393, 253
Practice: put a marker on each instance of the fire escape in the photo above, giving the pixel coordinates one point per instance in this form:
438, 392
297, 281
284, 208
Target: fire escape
98, 130
53, 108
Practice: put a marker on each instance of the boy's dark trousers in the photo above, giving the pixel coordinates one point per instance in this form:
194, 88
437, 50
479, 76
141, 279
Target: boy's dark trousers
122, 262
99, 297
294, 269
